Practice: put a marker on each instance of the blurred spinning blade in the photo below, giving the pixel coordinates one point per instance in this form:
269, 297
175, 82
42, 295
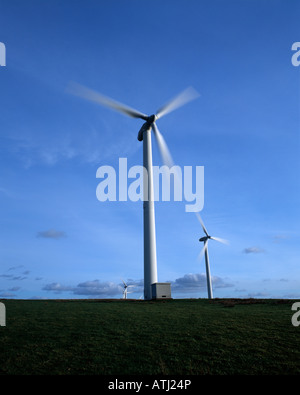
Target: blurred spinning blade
162, 147
184, 97
200, 256
91, 95
220, 240
202, 224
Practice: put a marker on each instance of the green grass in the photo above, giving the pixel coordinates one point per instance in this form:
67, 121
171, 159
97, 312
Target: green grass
183, 337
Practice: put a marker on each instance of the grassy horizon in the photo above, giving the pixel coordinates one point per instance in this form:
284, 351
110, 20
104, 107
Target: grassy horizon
168, 337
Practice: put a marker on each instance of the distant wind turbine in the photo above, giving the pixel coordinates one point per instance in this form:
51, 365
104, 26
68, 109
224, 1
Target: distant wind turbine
125, 290
205, 251
150, 261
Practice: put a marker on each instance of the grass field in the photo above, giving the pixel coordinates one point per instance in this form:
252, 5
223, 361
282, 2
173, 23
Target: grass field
174, 337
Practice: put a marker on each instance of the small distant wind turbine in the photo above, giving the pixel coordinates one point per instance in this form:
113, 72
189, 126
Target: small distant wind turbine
205, 250
150, 262
125, 290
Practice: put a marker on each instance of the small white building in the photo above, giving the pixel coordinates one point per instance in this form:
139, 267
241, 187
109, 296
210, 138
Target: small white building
2, 315
161, 291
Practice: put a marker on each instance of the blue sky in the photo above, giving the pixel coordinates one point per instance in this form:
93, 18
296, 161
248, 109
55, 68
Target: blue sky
56, 239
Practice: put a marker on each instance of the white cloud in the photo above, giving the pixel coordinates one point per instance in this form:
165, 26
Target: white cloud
88, 288
97, 288
107, 289
191, 282
57, 288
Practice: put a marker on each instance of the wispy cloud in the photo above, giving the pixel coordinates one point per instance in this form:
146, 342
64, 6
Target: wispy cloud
15, 267
278, 238
6, 294
19, 278
257, 295
253, 250
86, 145
14, 276
51, 234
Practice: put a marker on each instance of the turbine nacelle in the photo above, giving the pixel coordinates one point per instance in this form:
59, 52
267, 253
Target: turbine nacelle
146, 126
205, 238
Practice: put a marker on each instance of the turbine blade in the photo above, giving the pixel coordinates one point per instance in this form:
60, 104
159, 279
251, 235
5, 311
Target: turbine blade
162, 147
200, 256
220, 240
91, 95
184, 97
202, 224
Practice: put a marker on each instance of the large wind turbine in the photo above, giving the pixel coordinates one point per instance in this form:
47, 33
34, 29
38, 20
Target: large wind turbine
205, 251
144, 134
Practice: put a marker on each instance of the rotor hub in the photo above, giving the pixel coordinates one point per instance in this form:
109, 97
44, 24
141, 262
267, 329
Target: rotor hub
151, 119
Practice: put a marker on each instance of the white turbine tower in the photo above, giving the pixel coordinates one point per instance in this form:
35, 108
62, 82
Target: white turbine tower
205, 251
150, 263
